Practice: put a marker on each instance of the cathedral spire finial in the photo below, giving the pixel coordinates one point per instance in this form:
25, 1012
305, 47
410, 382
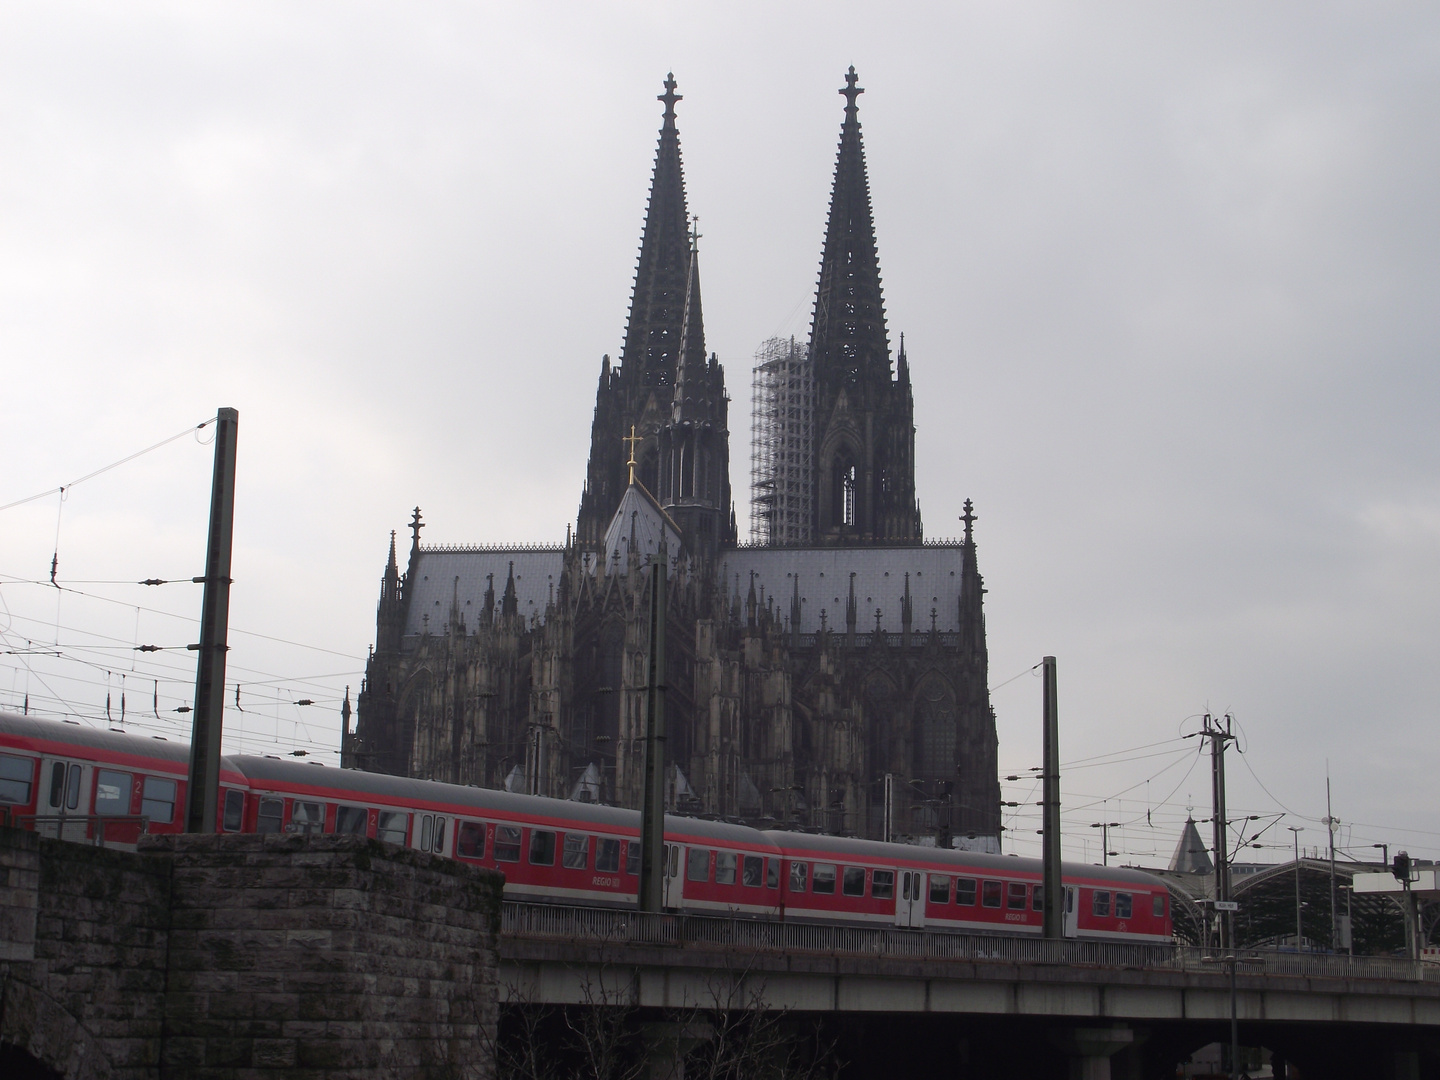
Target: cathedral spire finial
850, 92
415, 526
969, 519
669, 97
633, 440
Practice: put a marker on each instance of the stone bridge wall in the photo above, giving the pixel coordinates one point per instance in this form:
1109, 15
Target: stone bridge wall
231, 956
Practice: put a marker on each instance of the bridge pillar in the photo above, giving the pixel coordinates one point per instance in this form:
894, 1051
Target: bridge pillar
668, 1043
1090, 1049
1407, 1065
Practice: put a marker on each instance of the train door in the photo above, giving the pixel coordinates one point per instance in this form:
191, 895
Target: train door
910, 904
65, 797
430, 835
1071, 921
674, 882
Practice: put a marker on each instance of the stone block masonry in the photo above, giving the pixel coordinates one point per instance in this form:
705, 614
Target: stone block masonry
245, 957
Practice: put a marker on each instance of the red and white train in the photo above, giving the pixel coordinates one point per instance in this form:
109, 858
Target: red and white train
557, 851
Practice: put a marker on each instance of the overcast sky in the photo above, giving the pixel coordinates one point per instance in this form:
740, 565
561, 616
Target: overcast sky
1168, 277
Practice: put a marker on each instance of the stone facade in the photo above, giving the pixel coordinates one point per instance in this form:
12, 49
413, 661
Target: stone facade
246, 956
798, 676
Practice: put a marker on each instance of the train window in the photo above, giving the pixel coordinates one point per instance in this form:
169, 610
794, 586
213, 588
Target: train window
470, 841
57, 783
882, 884
1157, 906
990, 894
234, 819
853, 884
1100, 903
16, 775
725, 867
351, 820
1037, 897
268, 819
158, 803
542, 847
1019, 894
671, 861
799, 871
752, 871
576, 855
308, 817
823, 880
607, 855
632, 858
1124, 905
112, 792
939, 889
439, 845
697, 864
392, 826
772, 873
507, 843
427, 825
965, 891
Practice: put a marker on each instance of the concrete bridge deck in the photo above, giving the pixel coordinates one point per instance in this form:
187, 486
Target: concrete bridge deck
1323, 1008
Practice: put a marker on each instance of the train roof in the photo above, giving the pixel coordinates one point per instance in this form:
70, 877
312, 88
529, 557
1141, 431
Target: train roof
409, 790
115, 742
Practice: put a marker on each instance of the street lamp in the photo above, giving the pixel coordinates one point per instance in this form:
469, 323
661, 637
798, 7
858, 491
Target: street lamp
1384, 853
1105, 827
1297, 830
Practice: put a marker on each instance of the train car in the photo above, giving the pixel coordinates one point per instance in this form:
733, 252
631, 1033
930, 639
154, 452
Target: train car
80, 783
558, 851
548, 849
831, 879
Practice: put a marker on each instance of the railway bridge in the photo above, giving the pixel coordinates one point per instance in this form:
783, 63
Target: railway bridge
244, 956
909, 1003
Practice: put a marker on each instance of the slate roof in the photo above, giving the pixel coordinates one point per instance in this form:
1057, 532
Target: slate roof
433, 586
824, 579
1190, 855
641, 516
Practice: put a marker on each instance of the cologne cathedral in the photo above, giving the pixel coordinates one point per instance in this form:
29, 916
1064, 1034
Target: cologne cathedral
828, 675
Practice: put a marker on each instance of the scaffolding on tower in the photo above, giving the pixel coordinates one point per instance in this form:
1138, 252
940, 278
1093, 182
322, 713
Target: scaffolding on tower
782, 436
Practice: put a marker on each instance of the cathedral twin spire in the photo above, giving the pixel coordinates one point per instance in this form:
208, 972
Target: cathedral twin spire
674, 396
849, 343
665, 388
665, 286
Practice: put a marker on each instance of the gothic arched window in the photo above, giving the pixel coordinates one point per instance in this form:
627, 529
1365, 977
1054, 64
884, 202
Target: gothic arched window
935, 730
844, 493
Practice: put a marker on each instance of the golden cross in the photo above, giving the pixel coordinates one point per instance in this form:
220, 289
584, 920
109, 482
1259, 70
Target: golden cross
632, 439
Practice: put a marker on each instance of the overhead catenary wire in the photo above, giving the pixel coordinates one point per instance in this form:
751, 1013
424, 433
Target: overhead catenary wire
63, 488
12, 579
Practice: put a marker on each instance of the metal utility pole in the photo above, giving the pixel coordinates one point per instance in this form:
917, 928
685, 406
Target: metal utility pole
1330, 824
1297, 830
1218, 739
1052, 893
889, 816
1105, 827
203, 787
652, 809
